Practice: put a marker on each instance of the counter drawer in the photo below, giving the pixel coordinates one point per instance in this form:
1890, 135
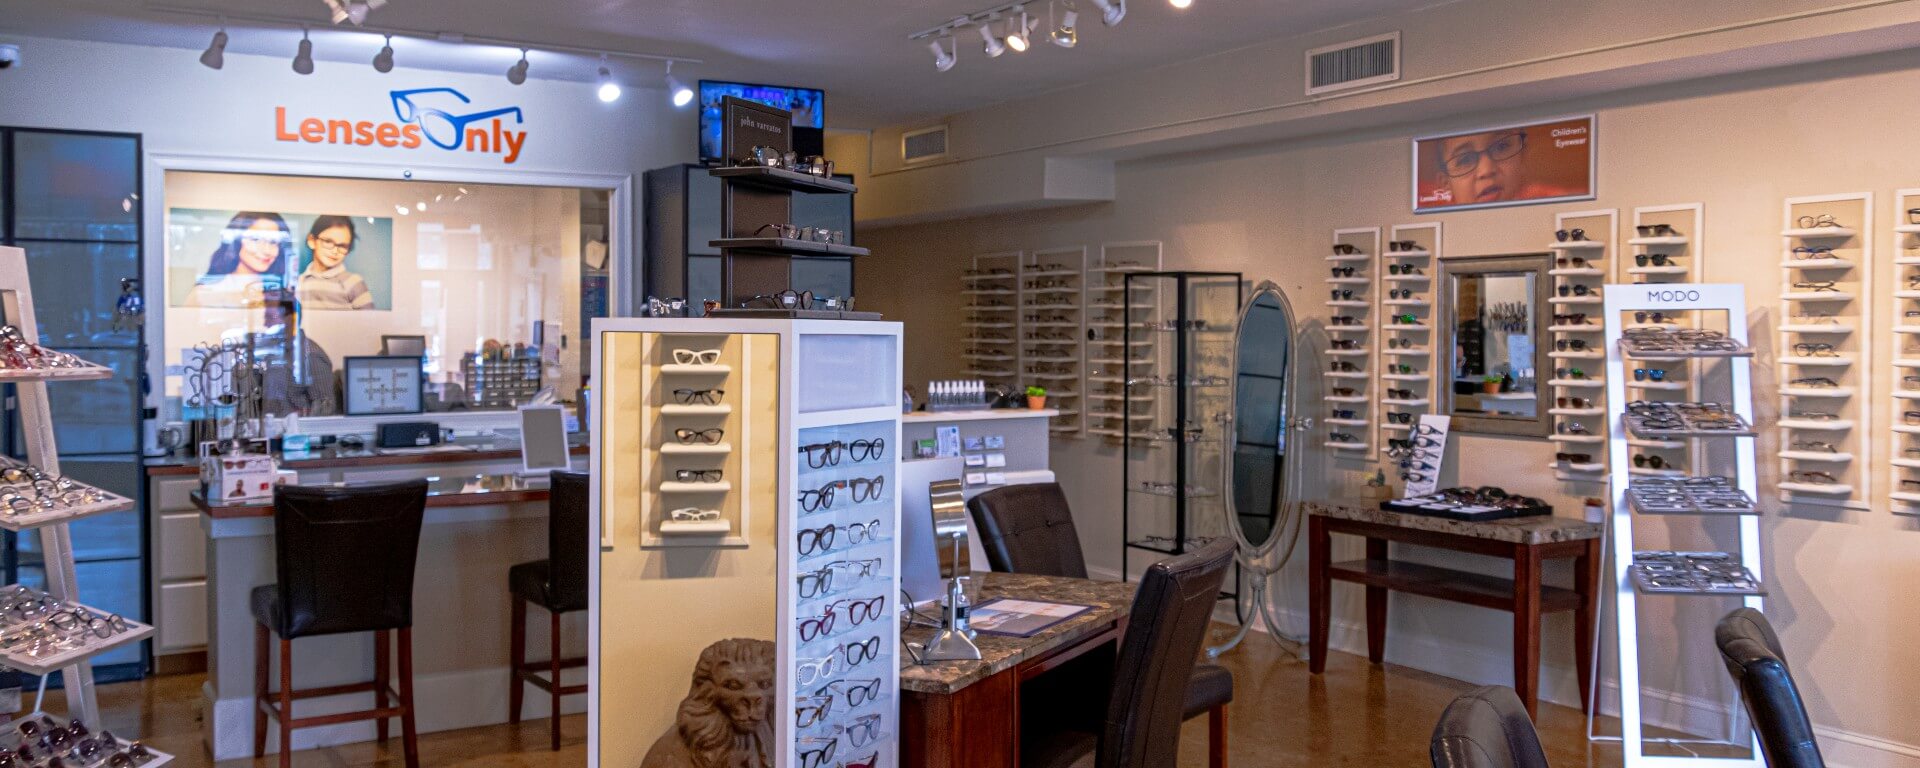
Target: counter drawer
181, 617
175, 493
182, 550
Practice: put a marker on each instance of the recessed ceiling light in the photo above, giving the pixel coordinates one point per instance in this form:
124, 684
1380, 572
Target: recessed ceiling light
303, 57
994, 47
215, 56
383, 61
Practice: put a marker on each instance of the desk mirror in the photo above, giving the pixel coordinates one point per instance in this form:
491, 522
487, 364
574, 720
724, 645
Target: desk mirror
1493, 326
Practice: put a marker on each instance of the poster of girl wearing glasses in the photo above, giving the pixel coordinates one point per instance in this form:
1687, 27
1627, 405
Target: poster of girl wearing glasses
1544, 162
231, 259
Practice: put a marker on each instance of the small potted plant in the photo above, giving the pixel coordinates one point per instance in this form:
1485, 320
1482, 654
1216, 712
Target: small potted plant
1036, 397
1491, 382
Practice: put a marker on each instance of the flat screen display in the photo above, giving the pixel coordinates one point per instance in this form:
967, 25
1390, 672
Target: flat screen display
383, 385
808, 105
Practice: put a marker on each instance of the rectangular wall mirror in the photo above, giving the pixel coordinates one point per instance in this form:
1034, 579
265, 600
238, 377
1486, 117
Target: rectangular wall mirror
1493, 324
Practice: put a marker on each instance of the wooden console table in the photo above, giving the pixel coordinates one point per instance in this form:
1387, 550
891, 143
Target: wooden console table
1527, 541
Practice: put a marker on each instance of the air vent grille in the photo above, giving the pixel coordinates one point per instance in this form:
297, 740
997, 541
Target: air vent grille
1354, 64
924, 144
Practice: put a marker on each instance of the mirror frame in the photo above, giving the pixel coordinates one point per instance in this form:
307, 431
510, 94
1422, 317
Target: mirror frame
1289, 485
1539, 265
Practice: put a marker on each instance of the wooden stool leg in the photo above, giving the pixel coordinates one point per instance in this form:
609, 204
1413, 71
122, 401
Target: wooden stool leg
517, 654
553, 666
380, 667
262, 668
1217, 737
408, 734
286, 703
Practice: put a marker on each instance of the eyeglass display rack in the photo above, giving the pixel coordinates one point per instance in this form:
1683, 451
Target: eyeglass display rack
56, 539
1111, 405
992, 288
1826, 297
812, 513
1351, 360
1669, 248
1408, 261
1634, 571
1053, 322
1171, 499
1584, 257
1903, 485
752, 263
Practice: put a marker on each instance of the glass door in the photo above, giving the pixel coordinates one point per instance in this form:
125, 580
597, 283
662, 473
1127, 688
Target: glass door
72, 201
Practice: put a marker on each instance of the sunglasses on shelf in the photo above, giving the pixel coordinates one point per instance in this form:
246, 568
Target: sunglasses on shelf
1574, 290
1342, 271
1404, 269
1402, 245
1575, 262
1649, 374
1645, 461
1570, 373
1345, 249
1656, 230
1570, 235
1653, 260
1573, 458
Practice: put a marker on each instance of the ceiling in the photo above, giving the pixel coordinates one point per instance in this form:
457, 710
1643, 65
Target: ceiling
856, 49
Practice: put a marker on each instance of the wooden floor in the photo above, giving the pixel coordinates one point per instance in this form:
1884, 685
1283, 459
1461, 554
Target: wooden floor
1354, 715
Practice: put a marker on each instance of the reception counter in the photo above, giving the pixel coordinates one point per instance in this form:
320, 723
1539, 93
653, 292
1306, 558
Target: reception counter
482, 518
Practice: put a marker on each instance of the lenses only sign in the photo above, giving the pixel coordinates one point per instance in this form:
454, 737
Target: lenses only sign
441, 118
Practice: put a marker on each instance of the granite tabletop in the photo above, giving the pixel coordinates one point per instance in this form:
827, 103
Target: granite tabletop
1111, 601
1514, 530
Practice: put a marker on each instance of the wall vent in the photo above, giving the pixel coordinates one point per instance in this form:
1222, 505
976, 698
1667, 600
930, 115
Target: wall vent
1354, 64
923, 145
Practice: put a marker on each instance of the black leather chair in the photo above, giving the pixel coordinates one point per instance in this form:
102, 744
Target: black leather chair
1166, 632
1753, 656
345, 563
1029, 529
558, 584
1486, 728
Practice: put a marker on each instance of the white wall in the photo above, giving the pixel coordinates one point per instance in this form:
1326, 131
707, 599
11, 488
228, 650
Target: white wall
194, 118
1739, 145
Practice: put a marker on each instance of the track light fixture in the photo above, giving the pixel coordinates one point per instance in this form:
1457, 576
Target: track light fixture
1111, 11
303, 57
994, 47
945, 56
677, 90
609, 90
1017, 28
1065, 32
517, 74
383, 61
215, 56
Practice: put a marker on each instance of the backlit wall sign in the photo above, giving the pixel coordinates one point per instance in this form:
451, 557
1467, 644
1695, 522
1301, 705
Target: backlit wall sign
423, 118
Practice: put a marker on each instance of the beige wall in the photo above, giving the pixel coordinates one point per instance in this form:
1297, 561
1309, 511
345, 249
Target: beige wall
1739, 145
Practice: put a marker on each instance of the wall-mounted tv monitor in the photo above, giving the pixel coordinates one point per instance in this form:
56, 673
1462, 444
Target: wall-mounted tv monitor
808, 105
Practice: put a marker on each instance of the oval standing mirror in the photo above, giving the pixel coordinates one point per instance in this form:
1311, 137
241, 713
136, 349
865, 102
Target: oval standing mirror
1262, 503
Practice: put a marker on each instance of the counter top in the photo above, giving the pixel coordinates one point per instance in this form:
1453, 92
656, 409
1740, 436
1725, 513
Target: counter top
334, 456
1111, 601
1514, 530
984, 414
462, 491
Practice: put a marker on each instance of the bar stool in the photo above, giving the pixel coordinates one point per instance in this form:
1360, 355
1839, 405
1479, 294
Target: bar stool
558, 584
345, 561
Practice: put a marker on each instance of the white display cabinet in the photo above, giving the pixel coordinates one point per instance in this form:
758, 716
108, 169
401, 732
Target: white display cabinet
776, 596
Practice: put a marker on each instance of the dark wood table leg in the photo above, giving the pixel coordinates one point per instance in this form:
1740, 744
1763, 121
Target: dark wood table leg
1319, 582
1376, 606
1526, 626
1586, 578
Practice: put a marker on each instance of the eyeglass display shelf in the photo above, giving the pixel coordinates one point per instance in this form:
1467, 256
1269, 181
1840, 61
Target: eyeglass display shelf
1906, 394
1420, 403
87, 372
1337, 303
1578, 383
1574, 300
1824, 457
1906, 363
1347, 353
1405, 302
1817, 296
1578, 272
1645, 442
1817, 489
986, 278
987, 372
1816, 264
1574, 245
1569, 467
1745, 430
1819, 233
1563, 438
1657, 386
1407, 352
1655, 472
696, 528
1349, 280
1192, 491
1906, 294
1346, 446
675, 486
1816, 425
1662, 240
1589, 328
1576, 411
40, 518
1347, 374
1346, 398
697, 449
717, 369
1363, 328
1391, 278
1406, 377
1665, 355
680, 409
1667, 269
1579, 355
1349, 257
158, 759
787, 246
1409, 254
1642, 583
988, 292
1347, 422
783, 179
1054, 271
1837, 330
1410, 327
1822, 392
46, 665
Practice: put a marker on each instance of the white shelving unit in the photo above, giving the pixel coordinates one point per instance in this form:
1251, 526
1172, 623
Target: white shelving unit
1110, 403
1822, 336
1408, 261
1623, 300
1683, 245
992, 288
1585, 261
1049, 277
1360, 249
1903, 466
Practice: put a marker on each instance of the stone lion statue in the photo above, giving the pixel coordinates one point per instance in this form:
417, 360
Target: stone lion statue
726, 720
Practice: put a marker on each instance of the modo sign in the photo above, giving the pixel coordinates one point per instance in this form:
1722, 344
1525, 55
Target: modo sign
416, 125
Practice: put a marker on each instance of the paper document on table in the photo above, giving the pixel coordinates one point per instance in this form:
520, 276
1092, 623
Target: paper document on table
1021, 618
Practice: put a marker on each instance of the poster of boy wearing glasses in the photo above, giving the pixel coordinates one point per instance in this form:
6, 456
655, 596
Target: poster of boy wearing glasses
327, 284
1511, 165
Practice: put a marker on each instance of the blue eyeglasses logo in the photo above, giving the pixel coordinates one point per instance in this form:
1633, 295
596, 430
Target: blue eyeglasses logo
449, 131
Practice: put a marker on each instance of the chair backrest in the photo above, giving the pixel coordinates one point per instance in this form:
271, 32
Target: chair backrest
1028, 528
1165, 633
346, 556
567, 535
1753, 656
1486, 728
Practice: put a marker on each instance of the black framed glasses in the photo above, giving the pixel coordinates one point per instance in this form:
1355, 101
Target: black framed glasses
867, 488
1656, 230
813, 540
820, 455
1573, 458
1808, 252
1346, 249
699, 396
867, 449
1821, 221
1814, 349
1342, 294
1400, 246
816, 752
856, 692
861, 652
1342, 271
820, 498
1573, 262
816, 627
1816, 286
1653, 260
1404, 270
698, 475
815, 583
861, 611
1574, 290
787, 299
694, 436
1645, 461
1569, 235
1570, 345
